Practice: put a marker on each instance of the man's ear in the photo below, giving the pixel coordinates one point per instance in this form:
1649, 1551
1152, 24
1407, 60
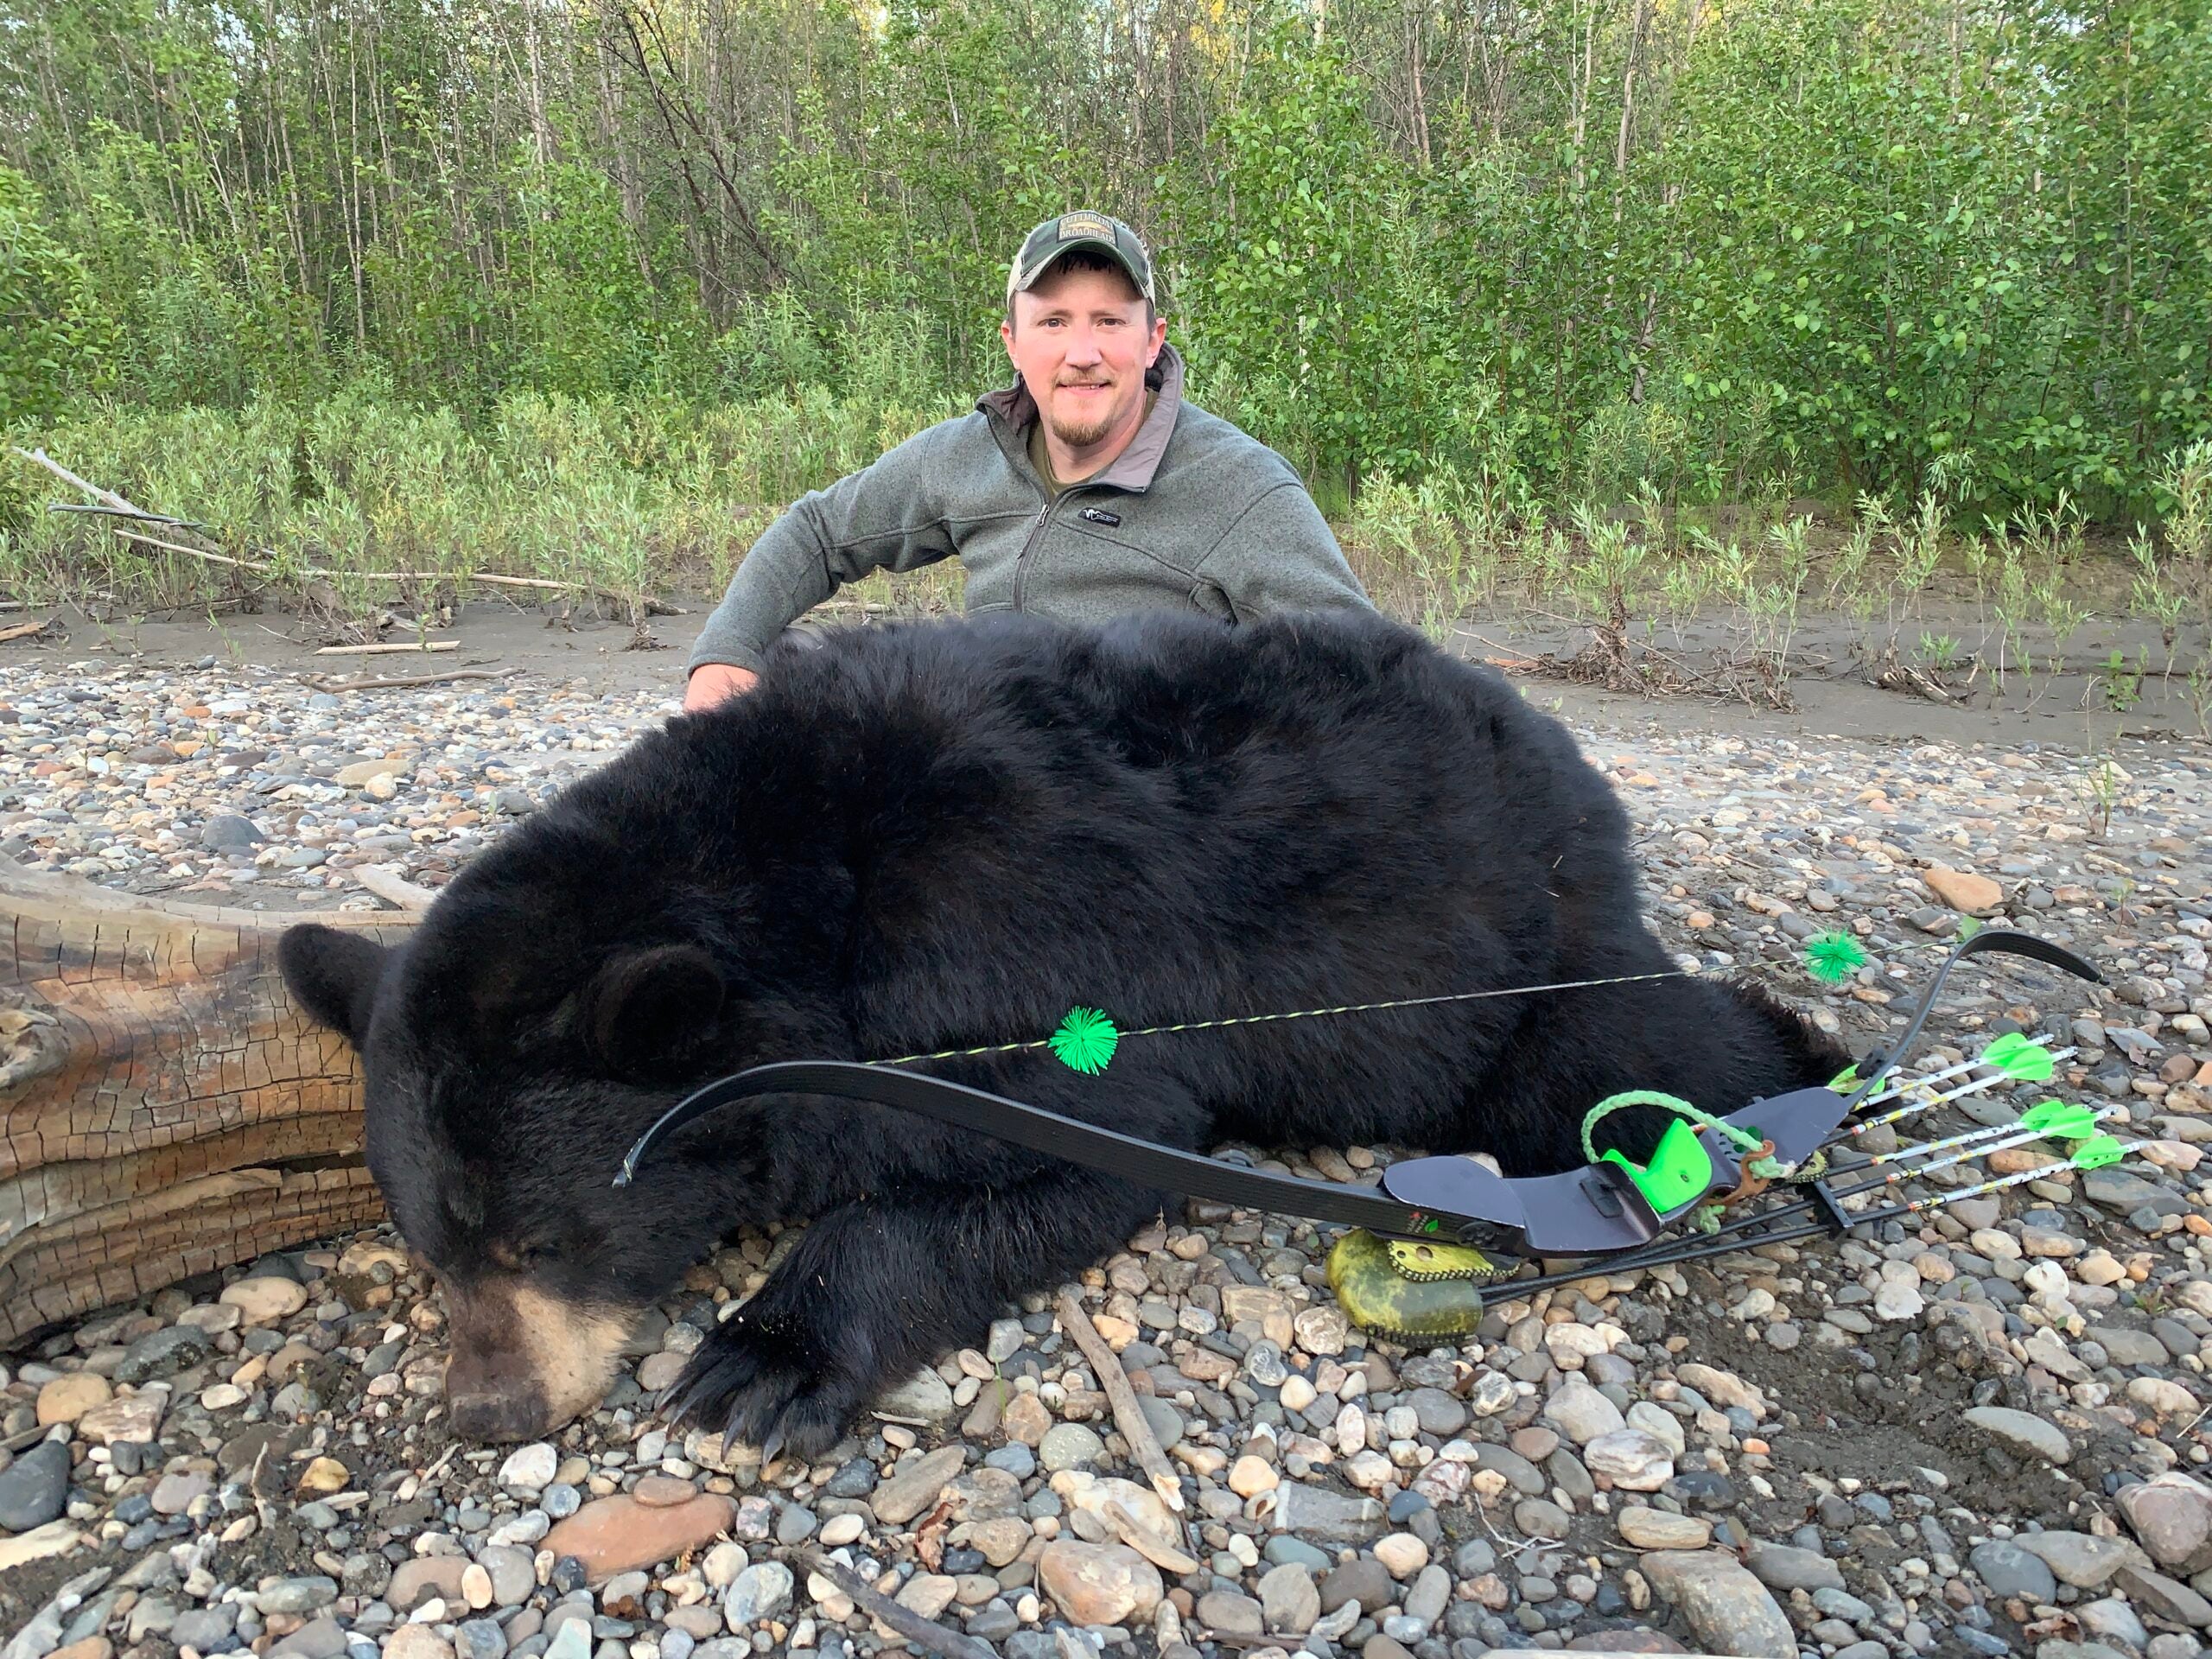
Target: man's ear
649, 1006
334, 975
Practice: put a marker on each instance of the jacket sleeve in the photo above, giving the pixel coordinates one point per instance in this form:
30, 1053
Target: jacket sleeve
885, 517
1281, 555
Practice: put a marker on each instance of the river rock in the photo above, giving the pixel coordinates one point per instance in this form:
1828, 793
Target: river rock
2023, 1431
1649, 1528
2172, 1515
618, 1533
2009, 1570
1581, 1412
762, 1591
1730, 1612
35, 1487
68, 1398
1290, 1599
1099, 1583
1630, 1458
2080, 1558
1316, 1513
914, 1487
265, 1300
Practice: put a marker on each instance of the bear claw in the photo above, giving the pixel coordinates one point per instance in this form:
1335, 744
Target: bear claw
770, 1402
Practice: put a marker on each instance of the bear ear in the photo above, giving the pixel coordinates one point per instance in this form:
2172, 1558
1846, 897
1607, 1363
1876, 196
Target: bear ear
334, 975
649, 1006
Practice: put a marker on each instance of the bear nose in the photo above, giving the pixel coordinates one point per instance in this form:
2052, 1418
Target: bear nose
502, 1414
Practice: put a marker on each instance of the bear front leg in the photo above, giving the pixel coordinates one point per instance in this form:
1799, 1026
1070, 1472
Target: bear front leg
880, 1287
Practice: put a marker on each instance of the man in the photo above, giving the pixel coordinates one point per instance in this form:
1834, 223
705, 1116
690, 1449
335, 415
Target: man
1087, 488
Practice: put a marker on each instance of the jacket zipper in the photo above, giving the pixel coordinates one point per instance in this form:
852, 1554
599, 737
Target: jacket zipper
1036, 534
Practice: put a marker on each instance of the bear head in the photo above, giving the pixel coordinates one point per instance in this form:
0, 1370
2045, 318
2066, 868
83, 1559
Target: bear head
566, 988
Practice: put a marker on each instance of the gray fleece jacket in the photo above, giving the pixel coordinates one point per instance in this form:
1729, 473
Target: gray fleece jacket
1193, 513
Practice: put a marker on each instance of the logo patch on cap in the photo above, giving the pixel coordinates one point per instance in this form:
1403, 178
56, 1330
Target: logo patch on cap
1075, 225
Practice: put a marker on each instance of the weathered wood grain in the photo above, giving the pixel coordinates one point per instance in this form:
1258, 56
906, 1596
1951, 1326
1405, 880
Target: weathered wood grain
164, 1108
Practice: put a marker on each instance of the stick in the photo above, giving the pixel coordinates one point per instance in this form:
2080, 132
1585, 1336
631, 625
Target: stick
42, 459
389, 885
387, 650
1144, 1445
103, 509
195, 552
22, 631
324, 683
267, 568
926, 1632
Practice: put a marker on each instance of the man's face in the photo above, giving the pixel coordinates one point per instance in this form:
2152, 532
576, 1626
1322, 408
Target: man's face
1080, 341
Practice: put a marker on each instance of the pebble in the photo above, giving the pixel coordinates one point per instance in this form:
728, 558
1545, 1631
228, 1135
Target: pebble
1630, 1458
2009, 1570
1401, 1554
1069, 1446
914, 1486
1648, 1528
68, 1398
1228, 1335
2022, 1431
1099, 1583
1289, 1599
760, 1591
529, 1468
35, 1487
1581, 1412
618, 1534
2171, 1514
265, 1300
1730, 1611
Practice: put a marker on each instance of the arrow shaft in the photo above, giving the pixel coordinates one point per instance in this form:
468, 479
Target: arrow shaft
1898, 1090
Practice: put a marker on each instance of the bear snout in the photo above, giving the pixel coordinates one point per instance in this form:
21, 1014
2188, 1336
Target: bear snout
524, 1362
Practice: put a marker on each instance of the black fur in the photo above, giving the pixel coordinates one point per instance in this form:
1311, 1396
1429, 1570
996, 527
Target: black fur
919, 838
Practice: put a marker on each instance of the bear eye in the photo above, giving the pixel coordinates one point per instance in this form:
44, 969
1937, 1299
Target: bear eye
539, 1253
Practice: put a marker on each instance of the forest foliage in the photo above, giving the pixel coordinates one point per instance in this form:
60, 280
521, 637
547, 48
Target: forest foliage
1563, 248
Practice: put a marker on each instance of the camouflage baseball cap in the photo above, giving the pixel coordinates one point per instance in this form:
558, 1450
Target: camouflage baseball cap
1080, 229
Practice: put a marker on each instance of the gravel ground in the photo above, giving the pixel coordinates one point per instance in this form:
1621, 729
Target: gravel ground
1972, 1436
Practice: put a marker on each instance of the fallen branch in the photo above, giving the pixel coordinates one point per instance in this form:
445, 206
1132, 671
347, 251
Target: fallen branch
24, 630
264, 567
130, 509
391, 886
399, 682
195, 552
1128, 1415
926, 1633
106, 511
387, 649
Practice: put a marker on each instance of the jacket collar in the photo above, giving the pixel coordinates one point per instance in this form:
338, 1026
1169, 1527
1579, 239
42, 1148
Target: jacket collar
1012, 410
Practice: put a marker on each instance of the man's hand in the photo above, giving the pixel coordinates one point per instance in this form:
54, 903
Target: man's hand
714, 683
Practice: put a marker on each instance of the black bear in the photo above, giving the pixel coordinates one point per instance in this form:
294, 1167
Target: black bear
916, 838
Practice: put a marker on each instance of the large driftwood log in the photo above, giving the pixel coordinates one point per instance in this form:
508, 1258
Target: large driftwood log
164, 1108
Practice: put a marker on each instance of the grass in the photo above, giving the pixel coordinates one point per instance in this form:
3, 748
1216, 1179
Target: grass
365, 505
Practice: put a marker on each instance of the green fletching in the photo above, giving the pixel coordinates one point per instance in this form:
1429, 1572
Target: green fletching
2059, 1119
1085, 1041
2016, 1056
1845, 1081
2096, 1152
1832, 957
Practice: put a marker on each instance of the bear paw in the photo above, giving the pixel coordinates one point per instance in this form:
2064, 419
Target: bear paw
760, 1390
